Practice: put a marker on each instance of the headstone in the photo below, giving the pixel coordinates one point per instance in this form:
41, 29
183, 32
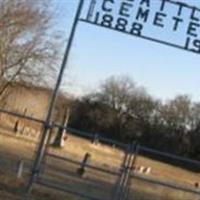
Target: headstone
147, 170
16, 126
141, 169
196, 185
96, 139
86, 160
20, 169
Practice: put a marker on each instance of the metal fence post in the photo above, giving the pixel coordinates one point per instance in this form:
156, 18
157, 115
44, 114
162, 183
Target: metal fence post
122, 185
46, 128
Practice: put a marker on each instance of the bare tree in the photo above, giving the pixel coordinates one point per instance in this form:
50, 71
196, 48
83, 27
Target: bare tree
28, 46
117, 91
177, 112
120, 94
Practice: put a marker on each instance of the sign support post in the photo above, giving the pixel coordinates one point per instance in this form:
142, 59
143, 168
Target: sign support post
43, 145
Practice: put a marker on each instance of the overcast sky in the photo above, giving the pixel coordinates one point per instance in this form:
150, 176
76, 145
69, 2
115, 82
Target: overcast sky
98, 53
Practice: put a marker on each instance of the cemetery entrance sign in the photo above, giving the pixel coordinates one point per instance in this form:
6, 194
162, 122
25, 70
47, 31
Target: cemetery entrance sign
168, 22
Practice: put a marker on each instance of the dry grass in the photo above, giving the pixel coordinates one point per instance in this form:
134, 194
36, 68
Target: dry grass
107, 156
12, 189
103, 156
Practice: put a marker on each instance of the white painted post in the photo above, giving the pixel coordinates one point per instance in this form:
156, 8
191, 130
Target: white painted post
20, 169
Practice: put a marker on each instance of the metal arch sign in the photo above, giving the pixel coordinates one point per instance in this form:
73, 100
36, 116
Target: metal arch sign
168, 22
162, 21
